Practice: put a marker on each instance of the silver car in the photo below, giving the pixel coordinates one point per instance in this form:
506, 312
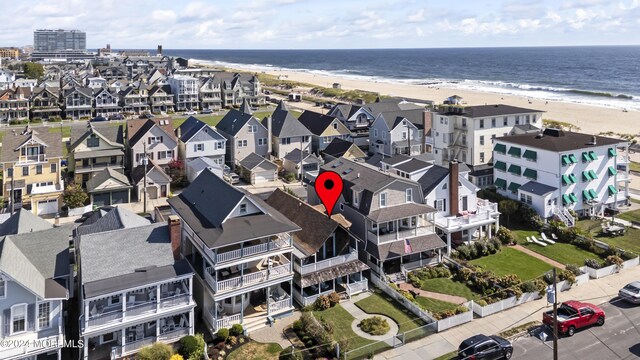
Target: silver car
232, 178
631, 292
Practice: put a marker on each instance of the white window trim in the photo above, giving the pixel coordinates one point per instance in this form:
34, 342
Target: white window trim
381, 196
4, 287
26, 315
408, 195
38, 315
356, 198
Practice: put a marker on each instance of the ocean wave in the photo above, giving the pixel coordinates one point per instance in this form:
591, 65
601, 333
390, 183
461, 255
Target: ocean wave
531, 91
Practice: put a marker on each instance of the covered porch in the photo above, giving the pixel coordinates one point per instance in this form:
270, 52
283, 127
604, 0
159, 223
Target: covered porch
344, 279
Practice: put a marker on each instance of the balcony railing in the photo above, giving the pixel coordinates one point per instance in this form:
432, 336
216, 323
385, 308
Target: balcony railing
174, 334
228, 321
310, 299
454, 221
140, 309
271, 245
32, 158
356, 287
135, 310
399, 235
276, 306
486, 205
246, 280
137, 345
97, 167
324, 264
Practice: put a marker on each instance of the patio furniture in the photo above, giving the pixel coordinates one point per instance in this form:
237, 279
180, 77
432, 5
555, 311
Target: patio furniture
554, 237
171, 324
546, 239
535, 240
529, 239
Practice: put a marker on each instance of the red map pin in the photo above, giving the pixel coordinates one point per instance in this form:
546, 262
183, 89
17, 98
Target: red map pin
329, 187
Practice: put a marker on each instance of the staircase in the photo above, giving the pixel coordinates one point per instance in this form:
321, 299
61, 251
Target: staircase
564, 216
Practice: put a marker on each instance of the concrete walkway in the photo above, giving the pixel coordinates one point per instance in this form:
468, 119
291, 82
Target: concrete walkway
538, 256
360, 315
434, 295
276, 333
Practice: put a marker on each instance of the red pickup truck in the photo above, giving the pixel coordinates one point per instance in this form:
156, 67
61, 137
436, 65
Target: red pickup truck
574, 315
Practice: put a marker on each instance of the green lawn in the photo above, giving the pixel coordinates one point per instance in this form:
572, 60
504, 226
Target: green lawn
450, 287
511, 261
434, 306
341, 321
212, 120
257, 351
563, 253
380, 303
630, 241
522, 234
630, 215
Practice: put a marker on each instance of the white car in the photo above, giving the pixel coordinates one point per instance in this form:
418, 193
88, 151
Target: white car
232, 178
190, 112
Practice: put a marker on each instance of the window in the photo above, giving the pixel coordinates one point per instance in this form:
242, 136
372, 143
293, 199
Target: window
464, 156
375, 132
243, 143
464, 122
3, 288
93, 141
356, 198
517, 119
25, 171
198, 147
482, 140
481, 123
18, 318
404, 135
305, 139
10, 172
285, 141
528, 119
335, 125
252, 129
154, 139
44, 312
243, 209
440, 205
261, 142
505, 121
493, 122
38, 169
384, 135
408, 195
219, 145
383, 199
481, 157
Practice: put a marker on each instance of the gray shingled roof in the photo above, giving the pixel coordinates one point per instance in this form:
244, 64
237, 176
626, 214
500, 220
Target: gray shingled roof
396, 159
254, 160
295, 155
191, 126
397, 248
113, 134
393, 118
399, 212
338, 147
115, 218
432, 178
105, 175
558, 140
284, 125
315, 122
137, 174
490, 110
23, 221
10, 143
233, 121
412, 165
534, 187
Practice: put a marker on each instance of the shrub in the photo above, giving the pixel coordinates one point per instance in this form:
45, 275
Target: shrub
297, 325
322, 303
481, 302
233, 340
188, 345
464, 252
157, 351
223, 334
176, 357
574, 269
481, 248
614, 260
592, 263
236, 330
505, 236
375, 325
567, 275
334, 299
406, 294
628, 255
536, 285
290, 353
74, 196
289, 176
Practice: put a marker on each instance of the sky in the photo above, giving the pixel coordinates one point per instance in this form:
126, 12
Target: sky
326, 24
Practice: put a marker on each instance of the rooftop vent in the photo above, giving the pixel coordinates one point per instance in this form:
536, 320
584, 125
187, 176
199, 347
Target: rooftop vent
348, 171
593, 140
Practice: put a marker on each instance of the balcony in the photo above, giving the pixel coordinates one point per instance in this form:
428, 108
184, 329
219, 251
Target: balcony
27, 159
398, 235
80, 169
487, 206
453, 222
324, 264
233, 278
275, 243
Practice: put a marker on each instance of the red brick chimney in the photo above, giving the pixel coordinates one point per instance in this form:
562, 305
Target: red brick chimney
174, 235
426, 126
453, 188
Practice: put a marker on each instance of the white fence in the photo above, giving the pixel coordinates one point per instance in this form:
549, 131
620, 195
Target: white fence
401, 299
456, 320
581, 279
600, 273
505, 304
80, 210
631, 263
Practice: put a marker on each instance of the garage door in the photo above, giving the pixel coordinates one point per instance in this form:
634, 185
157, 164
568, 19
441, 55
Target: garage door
263, 176
47, 207
101, 199
152, 192
120, 197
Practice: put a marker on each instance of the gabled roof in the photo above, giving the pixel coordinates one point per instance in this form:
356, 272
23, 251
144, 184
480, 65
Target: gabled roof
434, 176
137, 173
396, 159
233, 121
412, 165
112, 218
394, 118
339, 147
295, 155
192, 126
11, 143
137, 128
23, 221
112, 134
254, 160
245, 108
284, 125
316, 123
88, 92
105, 175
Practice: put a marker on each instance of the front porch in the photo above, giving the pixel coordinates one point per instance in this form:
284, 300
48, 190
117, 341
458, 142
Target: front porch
396, 269
398, 229
234, 277
312, 288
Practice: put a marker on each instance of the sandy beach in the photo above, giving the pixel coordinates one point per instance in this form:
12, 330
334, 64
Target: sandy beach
590, 119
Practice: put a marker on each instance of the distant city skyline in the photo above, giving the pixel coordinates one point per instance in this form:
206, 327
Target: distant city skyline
331, 24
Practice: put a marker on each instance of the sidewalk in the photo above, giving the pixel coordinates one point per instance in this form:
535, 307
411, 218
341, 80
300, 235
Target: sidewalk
595, 291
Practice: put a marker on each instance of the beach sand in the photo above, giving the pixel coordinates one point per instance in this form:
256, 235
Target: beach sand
590, 119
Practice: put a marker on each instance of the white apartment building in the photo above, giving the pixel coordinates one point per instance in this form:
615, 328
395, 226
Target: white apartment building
185, 89
465, 134
554, 171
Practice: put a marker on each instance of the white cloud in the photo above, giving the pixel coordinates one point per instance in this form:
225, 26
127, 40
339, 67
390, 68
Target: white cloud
632, 5
164, 15
417, 17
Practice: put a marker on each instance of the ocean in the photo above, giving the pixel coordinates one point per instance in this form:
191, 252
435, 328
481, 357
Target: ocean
598, 75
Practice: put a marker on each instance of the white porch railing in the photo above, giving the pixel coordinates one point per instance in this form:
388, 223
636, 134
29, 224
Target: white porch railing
249, 279
486, 205
324, 264
398, 235
137, 345
356, 287
174, 335
276, 306
420, 263
455, 221
308, 300
228, 321
272, 245
139, 309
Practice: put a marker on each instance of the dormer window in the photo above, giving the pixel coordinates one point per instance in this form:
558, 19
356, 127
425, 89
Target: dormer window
356, 198
93, 141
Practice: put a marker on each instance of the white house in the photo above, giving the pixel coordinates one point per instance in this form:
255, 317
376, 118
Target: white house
394, 132
197, 139
197, 165
554, 171
185, 90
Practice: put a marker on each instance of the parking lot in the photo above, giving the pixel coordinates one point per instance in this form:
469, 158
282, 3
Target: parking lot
619, 338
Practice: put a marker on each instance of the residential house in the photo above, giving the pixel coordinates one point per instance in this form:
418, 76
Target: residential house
134, 99
45, 102
210, 94
301, 163
6, 79
324, 129
245, 135
405, 166
325, 258
34, 285
342, 148
466, 134
77, 102
286, 132
158, 182
236, 87
111, 73
196, 166
14, 104
388, 216
358, 118
134, 298
93, 149
95, 82
31, 167
395, 132
156, 136
161, 99
197, 139
460, 214
255, 169
105, 102
185, 92
109, 187
241, 250
555, 171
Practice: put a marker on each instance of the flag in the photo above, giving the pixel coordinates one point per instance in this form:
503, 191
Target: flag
407, 246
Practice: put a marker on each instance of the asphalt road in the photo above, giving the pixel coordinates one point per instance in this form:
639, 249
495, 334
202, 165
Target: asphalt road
618, 338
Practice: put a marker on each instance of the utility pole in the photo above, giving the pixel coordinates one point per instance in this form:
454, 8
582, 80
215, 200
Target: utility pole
145, 161
555, 316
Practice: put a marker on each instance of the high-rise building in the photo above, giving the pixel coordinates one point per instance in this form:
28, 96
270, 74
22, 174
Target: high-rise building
59, 40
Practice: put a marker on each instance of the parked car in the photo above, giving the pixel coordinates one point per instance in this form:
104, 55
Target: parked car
190, 112
231, 178
483, 347
116, 117
146, 116
573, 315
207, 111
99, 118
631, 292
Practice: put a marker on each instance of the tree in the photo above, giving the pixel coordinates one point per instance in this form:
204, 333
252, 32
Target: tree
508, 208
33, 70
157, 351
176, 170
74, 196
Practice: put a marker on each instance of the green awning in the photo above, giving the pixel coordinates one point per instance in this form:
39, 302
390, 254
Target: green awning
612, 171
586, 196
573, 158
586, 176
593, 174
573, 197
612, 190
501, 148
566, 199
565, 160
530, 154
513, 187
515, 151
573, 178
531, 174
586, 157
566, 180
593, 193
500, 183
500, 165
593, 155
612, 152
515, 169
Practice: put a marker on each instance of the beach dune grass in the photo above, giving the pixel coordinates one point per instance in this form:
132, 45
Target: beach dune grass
511, 261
